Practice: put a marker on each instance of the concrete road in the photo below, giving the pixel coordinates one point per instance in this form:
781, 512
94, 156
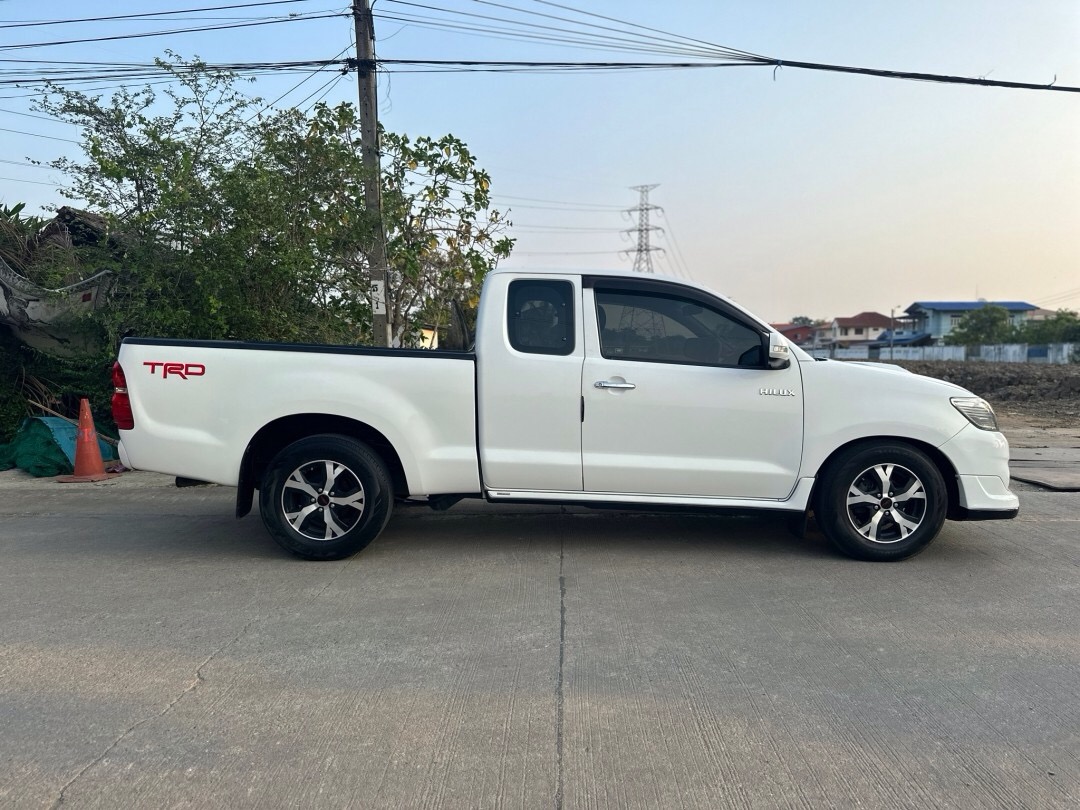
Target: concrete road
154, 652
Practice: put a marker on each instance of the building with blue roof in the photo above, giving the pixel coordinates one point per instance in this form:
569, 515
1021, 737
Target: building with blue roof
938, 318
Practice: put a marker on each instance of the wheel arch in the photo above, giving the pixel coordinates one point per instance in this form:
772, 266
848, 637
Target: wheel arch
940, 460
280, 433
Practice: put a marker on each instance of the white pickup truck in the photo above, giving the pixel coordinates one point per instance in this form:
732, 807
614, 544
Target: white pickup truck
584, 388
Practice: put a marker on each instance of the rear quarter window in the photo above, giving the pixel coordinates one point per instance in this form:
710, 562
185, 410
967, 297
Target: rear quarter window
540, 316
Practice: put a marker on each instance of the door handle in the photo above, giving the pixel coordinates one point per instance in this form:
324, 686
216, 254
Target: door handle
624, 386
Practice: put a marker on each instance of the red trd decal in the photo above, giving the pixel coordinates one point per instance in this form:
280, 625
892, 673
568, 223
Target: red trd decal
181, 370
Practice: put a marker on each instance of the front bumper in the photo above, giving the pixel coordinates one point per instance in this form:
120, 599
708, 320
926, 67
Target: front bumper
981, 460
985, 497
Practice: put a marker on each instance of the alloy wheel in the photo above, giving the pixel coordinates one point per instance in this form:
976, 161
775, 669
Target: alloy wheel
886, 503
322, 499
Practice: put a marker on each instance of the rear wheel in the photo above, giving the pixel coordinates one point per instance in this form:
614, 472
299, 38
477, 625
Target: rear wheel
325, 497
882, 502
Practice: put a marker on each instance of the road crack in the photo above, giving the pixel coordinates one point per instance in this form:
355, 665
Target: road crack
195, 683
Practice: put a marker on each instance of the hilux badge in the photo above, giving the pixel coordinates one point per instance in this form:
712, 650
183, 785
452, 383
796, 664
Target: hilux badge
776, 392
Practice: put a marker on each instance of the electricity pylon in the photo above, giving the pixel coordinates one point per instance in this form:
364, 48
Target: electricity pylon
643, 254
644, 323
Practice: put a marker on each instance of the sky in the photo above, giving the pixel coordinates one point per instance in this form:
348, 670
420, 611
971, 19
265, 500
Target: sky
794, 192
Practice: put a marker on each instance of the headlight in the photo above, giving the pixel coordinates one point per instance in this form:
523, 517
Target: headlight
977, 411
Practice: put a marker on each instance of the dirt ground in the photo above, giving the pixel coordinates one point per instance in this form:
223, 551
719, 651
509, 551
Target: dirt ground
1035, 395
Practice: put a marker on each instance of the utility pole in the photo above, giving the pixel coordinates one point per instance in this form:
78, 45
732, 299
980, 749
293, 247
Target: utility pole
643, 255
369, 143
892, 331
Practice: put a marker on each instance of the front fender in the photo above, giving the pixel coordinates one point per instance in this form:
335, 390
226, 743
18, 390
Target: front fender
846, 403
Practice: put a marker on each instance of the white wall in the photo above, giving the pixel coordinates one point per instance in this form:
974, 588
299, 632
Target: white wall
1056, 353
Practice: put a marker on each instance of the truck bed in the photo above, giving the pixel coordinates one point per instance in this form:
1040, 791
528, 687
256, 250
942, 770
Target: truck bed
198, 404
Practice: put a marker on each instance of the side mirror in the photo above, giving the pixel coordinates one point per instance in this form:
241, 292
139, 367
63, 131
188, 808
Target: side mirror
779, 356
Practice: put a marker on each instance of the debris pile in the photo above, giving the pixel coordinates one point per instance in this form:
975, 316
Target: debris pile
1050, 392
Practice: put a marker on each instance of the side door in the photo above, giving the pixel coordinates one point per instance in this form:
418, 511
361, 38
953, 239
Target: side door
679, 398
529, 355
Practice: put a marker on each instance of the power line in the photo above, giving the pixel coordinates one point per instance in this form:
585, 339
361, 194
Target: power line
921, 77
25, 163
575, 209
151, 64
564, 252
559, 202
311, 76
37, 94
171, 32
644, 28
688, 45
502, 66
670, 234
560, 228
732, 56
670, 265
31, 115
468, 66
133, 71
147, 14
558, 35
476, 66
710, 48
637, 38
512, 35
326, 88
32, 182
36, 135
1059, 298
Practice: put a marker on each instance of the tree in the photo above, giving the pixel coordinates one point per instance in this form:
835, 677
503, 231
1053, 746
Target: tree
30, 250
17, 236
986, 325
1061, 327
803, 320
237, 225
156, 180
442, 236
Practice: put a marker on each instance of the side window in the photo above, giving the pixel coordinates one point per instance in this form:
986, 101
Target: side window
540, 316
669, 329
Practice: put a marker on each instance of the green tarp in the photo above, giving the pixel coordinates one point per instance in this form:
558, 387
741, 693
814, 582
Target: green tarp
45, 446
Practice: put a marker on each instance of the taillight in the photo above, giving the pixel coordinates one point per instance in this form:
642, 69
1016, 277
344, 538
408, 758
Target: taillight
121, 403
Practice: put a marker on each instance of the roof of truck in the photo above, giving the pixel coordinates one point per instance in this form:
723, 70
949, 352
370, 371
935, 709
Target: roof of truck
581, 271
575, 271
578, 271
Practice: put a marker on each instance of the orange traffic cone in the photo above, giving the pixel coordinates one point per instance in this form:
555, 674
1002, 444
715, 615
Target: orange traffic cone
88, 463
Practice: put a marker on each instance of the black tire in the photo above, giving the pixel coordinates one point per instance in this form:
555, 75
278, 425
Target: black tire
881, 502
325, 497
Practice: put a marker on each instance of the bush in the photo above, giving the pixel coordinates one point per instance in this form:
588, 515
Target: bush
26, 374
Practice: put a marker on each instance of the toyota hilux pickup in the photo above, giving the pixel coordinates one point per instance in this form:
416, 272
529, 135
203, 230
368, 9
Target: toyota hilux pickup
602, 389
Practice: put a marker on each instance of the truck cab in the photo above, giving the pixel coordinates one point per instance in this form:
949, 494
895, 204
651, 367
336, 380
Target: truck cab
631, 388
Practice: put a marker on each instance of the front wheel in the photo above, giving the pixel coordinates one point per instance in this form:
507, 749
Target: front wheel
325, 497
882, 502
